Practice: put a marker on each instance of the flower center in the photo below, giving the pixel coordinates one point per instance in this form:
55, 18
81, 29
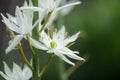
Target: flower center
53, 44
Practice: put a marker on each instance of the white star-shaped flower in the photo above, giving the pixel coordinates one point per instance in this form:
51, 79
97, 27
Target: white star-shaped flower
16, 73
20, 24
57, 45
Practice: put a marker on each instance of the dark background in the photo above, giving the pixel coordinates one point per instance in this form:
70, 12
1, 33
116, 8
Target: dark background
99, 22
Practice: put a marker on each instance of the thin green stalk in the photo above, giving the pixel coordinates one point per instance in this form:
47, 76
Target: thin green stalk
35, 61
46, 20
46, 66
23, 56
31, 48
20, 49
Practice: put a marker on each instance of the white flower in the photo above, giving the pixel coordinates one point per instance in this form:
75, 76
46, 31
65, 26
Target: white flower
20, 24
17, 73
50, 6
57, 45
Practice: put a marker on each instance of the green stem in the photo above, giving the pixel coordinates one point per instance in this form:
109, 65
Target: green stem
31, 48
20, 49
23, 56
35, 61
46, 20
46, 66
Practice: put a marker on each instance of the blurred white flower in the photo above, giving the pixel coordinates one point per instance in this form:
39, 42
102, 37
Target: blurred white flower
55, 6
57, 44
51, 6
20, 24
16, 73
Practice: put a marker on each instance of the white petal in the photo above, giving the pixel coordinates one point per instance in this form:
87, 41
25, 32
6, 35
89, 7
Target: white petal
37, 44
71, 39
45, 38
10, 24
30, 3
63, 57
27, 21
14, 43
27, 73
17, 70
70, 53
32, 8
68, 5
67, 10
3, 75
7, 70
61, 33
12, 18
19, 17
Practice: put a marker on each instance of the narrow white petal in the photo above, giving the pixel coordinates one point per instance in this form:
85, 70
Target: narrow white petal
12, 18
10, 24
68, 5
45, 38
17, 70
27, 21
30, 3
61, 33
70, 53
4, 76
32, 8
37, 44
71, 39
7, 70
63, 57
27, 73
14, 43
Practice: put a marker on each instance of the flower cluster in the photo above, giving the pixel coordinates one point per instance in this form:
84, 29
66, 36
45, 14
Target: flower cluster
56, 42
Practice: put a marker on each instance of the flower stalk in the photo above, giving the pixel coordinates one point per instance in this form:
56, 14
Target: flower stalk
35, 61
46, 21
46, 66
20, 49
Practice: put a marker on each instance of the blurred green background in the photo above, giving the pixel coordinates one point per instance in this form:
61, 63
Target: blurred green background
99, 23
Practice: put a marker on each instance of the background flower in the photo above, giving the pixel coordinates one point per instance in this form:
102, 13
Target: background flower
17, 73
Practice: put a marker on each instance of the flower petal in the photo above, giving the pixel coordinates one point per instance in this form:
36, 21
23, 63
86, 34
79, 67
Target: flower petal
70, 53
17, 71
71, 39
61, 33
27, 21
27, 72
37, 44
45, 38
10, 24
32, 8
7, 70
63, 58
68, 5
4, 76
14, 43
